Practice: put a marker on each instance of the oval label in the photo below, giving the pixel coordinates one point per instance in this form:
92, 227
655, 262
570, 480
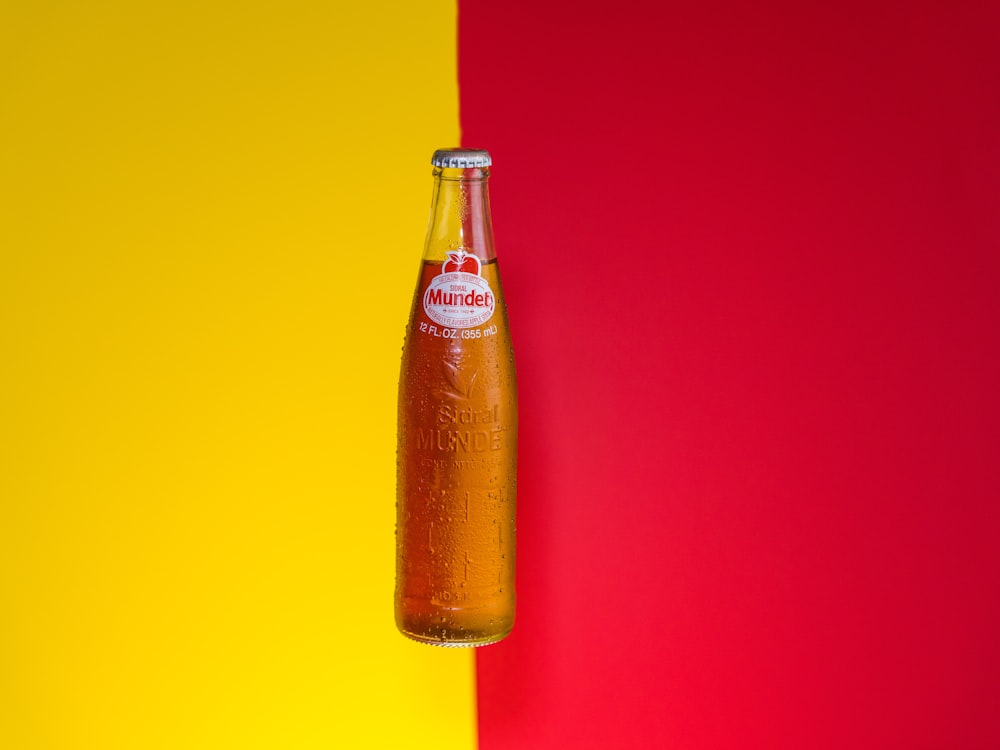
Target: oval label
459, 297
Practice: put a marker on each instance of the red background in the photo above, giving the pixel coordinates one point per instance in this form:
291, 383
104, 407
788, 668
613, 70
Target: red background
750, 253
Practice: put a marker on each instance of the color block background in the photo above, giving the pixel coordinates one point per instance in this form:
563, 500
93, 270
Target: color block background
750, 253
199, 203
751, 257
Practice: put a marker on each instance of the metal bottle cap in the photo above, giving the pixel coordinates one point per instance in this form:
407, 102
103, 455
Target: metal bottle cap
461, 158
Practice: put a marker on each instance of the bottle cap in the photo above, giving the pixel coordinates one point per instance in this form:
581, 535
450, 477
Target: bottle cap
461, 158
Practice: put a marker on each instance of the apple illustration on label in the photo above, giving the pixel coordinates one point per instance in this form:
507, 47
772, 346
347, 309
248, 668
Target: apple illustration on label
461, 262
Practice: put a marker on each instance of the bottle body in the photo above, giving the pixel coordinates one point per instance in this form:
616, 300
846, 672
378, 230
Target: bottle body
457, 435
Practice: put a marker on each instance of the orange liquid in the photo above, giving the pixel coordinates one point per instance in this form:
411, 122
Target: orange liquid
456, 477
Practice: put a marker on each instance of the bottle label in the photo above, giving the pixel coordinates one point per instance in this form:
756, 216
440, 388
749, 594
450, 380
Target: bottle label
459, 296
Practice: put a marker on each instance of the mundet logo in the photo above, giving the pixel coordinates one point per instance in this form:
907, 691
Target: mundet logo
459, 297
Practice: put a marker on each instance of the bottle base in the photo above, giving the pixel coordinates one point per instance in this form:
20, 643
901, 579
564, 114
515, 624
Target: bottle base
446, 642
454, 628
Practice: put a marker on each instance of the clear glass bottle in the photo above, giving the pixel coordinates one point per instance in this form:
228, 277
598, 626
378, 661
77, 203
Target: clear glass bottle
457, 429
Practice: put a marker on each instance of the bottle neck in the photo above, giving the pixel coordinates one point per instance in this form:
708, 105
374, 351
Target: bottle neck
460, 214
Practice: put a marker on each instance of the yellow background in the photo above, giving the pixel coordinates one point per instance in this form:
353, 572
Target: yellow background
211, 219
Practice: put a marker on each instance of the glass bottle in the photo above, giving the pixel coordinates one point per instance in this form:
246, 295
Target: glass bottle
457, 428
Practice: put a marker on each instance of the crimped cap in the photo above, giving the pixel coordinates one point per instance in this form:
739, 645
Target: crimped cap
461, 158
